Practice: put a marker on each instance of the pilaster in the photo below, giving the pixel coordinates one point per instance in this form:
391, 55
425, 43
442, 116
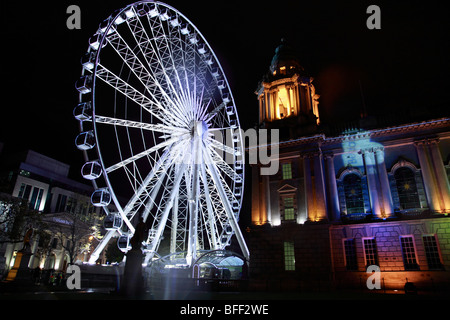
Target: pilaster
370, 166
385, 192
333, 198
429, 179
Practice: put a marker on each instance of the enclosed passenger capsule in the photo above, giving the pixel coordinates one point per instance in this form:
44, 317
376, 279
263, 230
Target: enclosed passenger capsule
88, 60
91, 170
142, 9
101, 197
84, 84
112, 221
83, 111
124, 243
185, 29
85, 140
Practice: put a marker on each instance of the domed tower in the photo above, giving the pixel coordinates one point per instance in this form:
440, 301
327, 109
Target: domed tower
287, 98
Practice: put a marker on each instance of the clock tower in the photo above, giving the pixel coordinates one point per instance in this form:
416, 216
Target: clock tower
287, 98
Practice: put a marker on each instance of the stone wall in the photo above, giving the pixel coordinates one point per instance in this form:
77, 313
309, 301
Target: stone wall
312, 257
390, 253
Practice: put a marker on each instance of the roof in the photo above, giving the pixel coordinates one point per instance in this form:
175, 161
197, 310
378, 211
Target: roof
285, 56
221, 258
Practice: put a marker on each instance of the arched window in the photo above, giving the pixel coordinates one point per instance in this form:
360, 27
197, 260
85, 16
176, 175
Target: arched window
353, 193
407, 188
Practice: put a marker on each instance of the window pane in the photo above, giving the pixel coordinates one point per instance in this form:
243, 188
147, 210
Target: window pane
287, 171
370, 251
432, 253
407, 188
409, 254
350, 255
289, 213
353, 194
289, 256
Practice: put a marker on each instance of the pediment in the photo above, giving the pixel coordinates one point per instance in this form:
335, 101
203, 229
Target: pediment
287, 188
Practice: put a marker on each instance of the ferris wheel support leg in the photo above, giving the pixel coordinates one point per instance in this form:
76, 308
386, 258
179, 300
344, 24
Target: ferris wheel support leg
174, 232
214, 241
101, 246
193, 218
165, 215
228, 210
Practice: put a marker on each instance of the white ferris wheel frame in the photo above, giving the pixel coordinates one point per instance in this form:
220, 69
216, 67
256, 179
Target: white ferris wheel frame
196, 179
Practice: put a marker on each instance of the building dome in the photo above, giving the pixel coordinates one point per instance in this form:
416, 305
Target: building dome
285, 60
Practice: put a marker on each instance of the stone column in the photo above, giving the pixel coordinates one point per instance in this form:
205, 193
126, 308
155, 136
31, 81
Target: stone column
308, 188
385, 192
319, 185
370, 166
441, 175
256, 207
266, 192
427, 175
333, 197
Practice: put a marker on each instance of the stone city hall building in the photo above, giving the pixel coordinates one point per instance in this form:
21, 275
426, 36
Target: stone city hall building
372, 194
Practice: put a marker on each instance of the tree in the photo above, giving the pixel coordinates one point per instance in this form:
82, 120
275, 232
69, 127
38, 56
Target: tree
16, 218
113, 253
75, 228
72, 233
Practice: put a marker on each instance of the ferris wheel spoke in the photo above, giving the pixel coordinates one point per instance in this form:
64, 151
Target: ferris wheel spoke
153, 107
163, 46
140, 125
152, 85
142, 154
228, 210
152, 178
215, 111
149, 51
224, 166
219, 145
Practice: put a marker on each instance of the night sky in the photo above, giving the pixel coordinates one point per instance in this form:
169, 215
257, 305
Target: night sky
403, 65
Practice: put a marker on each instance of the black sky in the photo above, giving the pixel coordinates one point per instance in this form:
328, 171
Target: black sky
404, 64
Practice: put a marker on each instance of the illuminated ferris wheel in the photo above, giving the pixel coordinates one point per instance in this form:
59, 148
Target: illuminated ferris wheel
160, 133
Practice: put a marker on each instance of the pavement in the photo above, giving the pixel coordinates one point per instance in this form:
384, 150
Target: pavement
29, 291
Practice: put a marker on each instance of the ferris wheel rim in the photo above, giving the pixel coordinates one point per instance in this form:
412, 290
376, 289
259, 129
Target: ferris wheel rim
98, 148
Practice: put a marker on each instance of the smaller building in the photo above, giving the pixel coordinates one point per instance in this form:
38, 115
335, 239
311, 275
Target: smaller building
64, 206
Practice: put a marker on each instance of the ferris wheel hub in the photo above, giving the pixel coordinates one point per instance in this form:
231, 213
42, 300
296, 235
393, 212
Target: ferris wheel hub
199, 129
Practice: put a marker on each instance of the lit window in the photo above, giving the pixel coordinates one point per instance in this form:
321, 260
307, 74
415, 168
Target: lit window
289, 256
353, 194
432, 253
409, 253
25, 191
350, 255
289, 213
24, 173
283, 70
287, 171
370, 251
36, 198
283, 104
407, 188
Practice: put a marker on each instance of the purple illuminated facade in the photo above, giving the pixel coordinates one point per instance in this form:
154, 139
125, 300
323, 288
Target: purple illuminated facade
369, 194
